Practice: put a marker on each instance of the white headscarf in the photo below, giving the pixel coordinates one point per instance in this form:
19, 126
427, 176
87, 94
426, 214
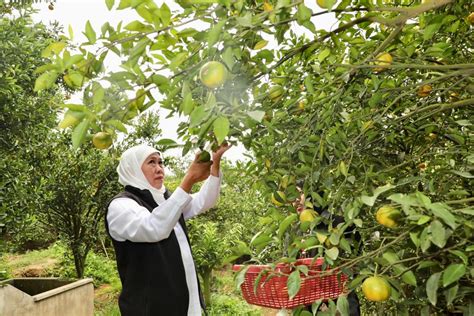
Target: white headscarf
130, 170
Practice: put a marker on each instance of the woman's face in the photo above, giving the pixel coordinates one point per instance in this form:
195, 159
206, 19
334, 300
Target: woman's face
154, 170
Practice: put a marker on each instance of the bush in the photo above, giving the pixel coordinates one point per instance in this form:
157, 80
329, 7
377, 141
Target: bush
98, 267
223, 305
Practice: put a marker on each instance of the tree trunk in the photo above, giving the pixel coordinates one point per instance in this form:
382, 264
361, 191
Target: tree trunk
206, 284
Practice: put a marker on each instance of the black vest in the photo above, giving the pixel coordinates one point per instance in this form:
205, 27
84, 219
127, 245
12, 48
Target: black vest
152, 274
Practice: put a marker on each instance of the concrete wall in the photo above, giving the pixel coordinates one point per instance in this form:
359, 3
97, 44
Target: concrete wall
73, 299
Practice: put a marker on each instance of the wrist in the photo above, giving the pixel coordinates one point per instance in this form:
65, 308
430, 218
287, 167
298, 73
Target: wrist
215, 169
186, 184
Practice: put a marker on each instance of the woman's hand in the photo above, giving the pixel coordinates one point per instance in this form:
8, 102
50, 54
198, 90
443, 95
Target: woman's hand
216, 158
197, 172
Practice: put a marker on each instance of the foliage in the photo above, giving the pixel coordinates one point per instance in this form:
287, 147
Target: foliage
210, 248
32, 234
358, 133
25, 116
228, 305
101, 269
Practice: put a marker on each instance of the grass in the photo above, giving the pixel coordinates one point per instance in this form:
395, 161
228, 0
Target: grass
226, 299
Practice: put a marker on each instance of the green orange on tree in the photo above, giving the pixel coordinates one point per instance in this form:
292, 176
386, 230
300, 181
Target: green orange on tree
204, 156
275, 93
323, 4
213, 74
278, 198
102, 140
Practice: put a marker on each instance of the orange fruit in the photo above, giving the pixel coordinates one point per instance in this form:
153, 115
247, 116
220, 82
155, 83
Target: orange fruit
388, 216
424, 90
376, 289
102, 140
275, 93
307, 215
383, 61
204, 156
213, 74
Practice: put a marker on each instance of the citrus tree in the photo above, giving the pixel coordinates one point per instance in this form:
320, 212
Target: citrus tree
373, 114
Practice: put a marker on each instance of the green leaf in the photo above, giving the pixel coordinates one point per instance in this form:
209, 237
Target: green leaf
74, 79
332, 253
117, 124
46, 80
450, 294
430, 30
256, 115
124, 4
240, 277
343, 305
196, 117
441, 210
463, 174
71, 32
167, 143
260, 238
453, 273
137, 26
423, 220
343, 168
432, 287
90, 33
309, 84
165, 15
438, 234
188, 104
408, 277
303, 14
159, 80
293, 284
228, 57
324, 54
178, 60
79, 133
98, 94
370, 200
221, 128
110, 4
215, 32
285, 224
246, 20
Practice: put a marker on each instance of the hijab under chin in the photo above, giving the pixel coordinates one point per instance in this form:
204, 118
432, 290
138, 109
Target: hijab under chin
130, 171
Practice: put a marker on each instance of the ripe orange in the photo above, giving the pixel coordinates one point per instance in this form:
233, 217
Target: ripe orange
424, 90
388, 216
470, 18
307, 215
102, 140
383, 60
267, 7
213, 74
376, 289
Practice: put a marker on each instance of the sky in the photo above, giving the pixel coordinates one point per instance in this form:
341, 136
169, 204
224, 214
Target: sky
77, 12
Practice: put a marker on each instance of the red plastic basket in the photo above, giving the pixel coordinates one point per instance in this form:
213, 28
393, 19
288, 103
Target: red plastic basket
272, 289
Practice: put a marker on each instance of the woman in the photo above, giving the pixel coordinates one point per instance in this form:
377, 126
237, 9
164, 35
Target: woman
146, 224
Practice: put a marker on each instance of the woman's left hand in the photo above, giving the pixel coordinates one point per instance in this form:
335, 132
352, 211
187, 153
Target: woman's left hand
217, 154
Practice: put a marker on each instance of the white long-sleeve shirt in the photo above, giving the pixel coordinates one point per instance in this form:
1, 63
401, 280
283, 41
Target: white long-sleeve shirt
128, 220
